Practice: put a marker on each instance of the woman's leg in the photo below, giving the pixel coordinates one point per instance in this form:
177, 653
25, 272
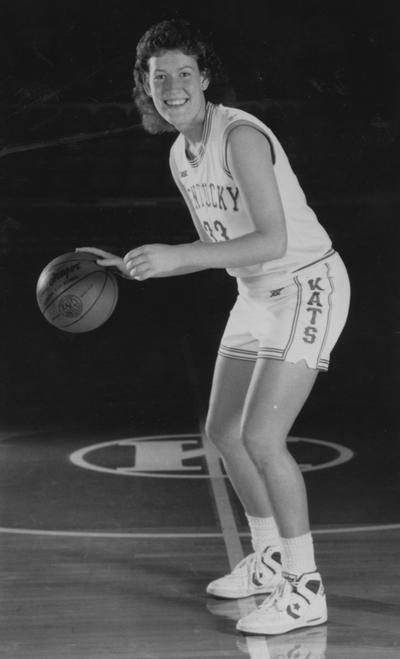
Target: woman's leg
260, 572
230, 386
276, 394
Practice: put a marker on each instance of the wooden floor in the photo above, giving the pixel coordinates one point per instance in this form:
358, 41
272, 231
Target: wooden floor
101, 564
92, 597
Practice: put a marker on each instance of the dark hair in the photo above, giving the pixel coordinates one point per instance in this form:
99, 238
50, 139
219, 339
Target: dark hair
177, 34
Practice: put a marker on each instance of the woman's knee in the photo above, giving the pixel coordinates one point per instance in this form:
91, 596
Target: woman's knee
224, 435
264, 447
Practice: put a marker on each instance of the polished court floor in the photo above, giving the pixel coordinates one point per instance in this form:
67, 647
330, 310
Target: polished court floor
143, 598
114, 562
115, 512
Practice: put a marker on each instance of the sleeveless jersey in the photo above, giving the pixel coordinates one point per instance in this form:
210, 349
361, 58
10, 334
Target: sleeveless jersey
214, 199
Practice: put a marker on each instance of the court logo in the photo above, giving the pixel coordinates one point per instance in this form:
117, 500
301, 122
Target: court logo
186, 456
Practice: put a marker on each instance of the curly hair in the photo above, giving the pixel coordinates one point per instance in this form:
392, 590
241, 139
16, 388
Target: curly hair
177, 34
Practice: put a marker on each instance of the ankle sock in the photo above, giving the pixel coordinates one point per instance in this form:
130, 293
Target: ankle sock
298, 554
264, 533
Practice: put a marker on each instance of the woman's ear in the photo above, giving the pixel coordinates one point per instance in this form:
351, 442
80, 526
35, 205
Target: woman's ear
146, 85
204, 83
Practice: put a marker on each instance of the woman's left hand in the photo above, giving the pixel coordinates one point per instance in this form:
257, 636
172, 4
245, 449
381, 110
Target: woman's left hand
153, 261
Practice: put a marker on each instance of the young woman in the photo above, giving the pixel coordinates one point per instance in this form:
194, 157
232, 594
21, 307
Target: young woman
293, 295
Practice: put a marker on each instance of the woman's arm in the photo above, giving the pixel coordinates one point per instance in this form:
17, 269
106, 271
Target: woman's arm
250, 162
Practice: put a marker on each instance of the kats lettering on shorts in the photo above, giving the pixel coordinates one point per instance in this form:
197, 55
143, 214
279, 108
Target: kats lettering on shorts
314, 309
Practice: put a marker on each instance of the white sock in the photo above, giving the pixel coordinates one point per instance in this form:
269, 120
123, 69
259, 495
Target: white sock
298, 554
264, 533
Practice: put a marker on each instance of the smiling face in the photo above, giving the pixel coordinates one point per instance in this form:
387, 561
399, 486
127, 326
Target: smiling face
177, 86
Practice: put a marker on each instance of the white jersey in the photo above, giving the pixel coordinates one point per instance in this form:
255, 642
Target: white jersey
214, 199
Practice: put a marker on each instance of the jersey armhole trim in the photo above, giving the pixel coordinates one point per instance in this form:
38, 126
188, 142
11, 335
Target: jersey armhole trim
225, 143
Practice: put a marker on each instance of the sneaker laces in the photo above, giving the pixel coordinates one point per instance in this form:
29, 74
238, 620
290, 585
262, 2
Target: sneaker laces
280, 597
252, 563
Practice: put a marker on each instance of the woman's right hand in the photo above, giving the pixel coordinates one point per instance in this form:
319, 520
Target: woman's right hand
108, 260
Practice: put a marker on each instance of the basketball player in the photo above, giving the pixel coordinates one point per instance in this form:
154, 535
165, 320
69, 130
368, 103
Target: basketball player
252, 219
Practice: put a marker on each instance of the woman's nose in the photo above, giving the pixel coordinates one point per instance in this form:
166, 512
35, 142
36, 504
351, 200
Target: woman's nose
173, 84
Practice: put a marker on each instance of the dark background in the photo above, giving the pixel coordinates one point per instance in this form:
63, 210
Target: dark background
323, 75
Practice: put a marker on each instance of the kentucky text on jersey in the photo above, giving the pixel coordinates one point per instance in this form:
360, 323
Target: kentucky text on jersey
212, 195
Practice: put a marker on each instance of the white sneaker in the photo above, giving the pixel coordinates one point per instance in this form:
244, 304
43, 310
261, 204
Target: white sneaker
257, 573
296, 602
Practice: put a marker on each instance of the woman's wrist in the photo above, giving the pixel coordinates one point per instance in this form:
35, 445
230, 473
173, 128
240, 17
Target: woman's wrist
187, 254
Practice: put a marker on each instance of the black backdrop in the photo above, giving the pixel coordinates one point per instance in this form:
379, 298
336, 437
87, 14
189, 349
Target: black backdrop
323, 75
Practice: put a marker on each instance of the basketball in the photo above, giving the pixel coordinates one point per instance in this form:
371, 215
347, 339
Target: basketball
75, 294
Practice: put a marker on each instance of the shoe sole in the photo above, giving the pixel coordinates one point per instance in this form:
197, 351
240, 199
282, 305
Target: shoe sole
275, 632
238, 596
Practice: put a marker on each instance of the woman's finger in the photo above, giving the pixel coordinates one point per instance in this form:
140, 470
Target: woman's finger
142, 275
140, 272
135, 262
114, 261
96, 251
134, 253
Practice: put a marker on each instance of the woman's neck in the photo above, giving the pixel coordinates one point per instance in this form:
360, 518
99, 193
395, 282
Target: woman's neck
193, 133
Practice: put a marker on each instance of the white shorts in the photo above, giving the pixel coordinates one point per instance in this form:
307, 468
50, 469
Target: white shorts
300, 321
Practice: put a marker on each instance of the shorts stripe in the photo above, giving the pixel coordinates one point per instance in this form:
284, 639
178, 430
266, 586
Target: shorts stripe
296, 316
322, 367
320, 361
279, 351
237, 353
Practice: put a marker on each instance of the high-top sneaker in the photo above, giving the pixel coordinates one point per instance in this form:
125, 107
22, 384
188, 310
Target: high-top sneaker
257, 573
296, 602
